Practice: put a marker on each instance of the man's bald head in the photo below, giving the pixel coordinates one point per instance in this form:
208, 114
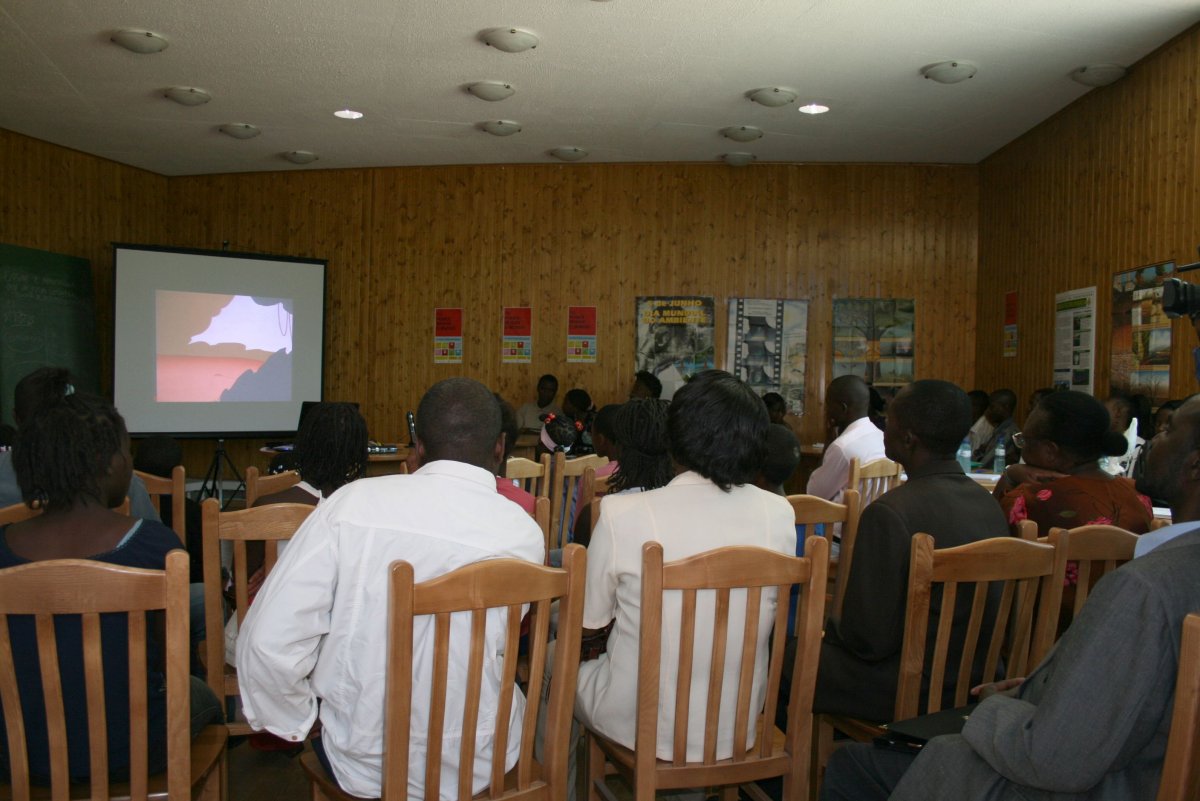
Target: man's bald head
847, 399
459, 419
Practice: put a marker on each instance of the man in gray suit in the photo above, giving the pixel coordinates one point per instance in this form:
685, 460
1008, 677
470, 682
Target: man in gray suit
1091, 722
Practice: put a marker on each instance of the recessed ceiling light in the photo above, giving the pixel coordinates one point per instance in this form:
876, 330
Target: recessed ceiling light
240, 130
773, 96
491, 90
738, 159
501, 127
1098, 74
950, 71
568, 153
187, 95
347, 114
813, 108
510, 40
742, 133
139, 41
300, 156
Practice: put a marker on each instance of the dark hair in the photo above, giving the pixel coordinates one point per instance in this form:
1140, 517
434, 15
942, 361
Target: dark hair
1079, 424
561, 430
650, 381
549, 377
459, 419
980, 395
64, 449
42, 387
605, 421
717, 426
774, 402
641, 425
1006, 397
158, 455
782, 454
508, 424
331, 445
937, 412
579, 399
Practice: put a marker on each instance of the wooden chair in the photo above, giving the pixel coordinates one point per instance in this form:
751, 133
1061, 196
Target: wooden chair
534, 476
259, 485
89, 589
17, 513
809, 511
873, 478
169, 490
564, 480
541, 514
269, 524
591, 490
1181, 766
744, 573
473, 590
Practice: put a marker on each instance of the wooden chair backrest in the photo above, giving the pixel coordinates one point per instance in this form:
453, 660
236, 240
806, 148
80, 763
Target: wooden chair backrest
169, 490
1099, 550
873, 478
747, 571
541, 513
811, 510
565, 476
88, 589
1181, 766
17, 513
534, 476
258, 486
1027, 530
472, 590
1024, 568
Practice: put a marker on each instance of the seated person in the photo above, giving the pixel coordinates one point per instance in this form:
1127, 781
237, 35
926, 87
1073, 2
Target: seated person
778, 410
529, 416
331, 451
72, 461
604, 438
645, 385
850, 435
577, 406
506, 486
860, 654
781, 458
981, 429
716, 427
1001, 405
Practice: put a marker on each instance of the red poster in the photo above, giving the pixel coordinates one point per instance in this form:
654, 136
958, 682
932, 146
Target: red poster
518, 321
581, 321
447, 322
1010, 308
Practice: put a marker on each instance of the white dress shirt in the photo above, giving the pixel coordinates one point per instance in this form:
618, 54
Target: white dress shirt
688, 516
318, 628
861, 440
981, 432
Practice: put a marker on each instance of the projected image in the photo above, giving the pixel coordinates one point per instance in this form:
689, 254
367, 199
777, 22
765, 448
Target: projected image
213, 347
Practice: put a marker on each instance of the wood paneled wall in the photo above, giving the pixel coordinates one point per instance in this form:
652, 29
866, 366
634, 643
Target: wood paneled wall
1108, 184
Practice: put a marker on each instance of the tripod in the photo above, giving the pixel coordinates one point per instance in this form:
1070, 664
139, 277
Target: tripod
212, 479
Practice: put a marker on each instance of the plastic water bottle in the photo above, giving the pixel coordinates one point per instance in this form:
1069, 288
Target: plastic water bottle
964, 455
1001, 462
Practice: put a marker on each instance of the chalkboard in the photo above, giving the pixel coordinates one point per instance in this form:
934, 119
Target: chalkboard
47, 318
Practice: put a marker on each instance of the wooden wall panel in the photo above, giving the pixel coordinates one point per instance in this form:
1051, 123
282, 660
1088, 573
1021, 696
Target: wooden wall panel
1108, 184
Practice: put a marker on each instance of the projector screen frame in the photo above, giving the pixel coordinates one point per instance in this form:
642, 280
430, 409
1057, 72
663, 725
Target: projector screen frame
134, 421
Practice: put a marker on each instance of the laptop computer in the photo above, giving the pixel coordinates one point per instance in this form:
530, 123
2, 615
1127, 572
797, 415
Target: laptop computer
911, 735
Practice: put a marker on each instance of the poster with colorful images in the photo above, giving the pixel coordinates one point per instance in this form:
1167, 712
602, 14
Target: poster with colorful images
767, 345
873, 339
675, 338
516, 344
447, 336
1141, 333
1074, 340
1009, 347
581, 334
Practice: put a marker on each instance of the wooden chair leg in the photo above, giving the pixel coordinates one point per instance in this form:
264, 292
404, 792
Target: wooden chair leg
729, 792
822, 747
595, 768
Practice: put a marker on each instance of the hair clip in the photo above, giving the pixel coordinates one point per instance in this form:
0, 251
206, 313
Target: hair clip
549, 418
579, 426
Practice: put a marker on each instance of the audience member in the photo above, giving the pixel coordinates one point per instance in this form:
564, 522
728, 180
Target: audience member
1001, 405
645, 385
72, 461
850, 435
1122, 420
860, 655
1177, 465
605, 441
1162, 417
778, 410
781, 458
529, 416
577, 405
1092, 720
315, 640
506, 486
981, 429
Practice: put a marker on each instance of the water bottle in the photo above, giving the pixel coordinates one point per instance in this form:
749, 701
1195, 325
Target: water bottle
964, 455
1000, 463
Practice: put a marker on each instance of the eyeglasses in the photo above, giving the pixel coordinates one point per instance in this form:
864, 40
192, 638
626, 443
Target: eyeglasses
1019, 440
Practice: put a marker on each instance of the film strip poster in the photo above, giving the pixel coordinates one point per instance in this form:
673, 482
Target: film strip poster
767, 346
873, 339
675, 338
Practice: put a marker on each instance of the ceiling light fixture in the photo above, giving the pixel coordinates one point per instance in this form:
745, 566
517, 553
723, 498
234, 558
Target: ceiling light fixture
1098, 74
773, 96
187, 95
139, 41
491, 90
501, 127
813, 108
949, 71
742, 133
300, 156
738, 159
510, 40
348, 114
568, 153
240, 130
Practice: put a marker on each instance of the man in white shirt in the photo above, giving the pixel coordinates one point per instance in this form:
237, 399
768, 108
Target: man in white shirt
847, 402
315, 639
529, 416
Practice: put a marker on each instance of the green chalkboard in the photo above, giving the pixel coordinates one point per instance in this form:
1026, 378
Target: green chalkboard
47, 318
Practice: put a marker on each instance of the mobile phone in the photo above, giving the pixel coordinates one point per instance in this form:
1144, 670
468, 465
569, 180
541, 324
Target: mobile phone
412, 429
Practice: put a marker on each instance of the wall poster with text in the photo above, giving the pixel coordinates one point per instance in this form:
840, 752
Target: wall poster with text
447, 336
675, 338
766, 346
1141, 333
581, 334
516, 341
1075, 339
873, 339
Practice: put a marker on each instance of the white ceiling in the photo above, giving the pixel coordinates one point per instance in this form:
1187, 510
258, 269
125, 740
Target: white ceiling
627, 80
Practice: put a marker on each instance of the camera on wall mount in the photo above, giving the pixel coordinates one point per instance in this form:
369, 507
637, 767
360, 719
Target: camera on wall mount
1179, 298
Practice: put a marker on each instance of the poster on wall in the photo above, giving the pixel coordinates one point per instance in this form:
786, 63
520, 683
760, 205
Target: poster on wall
675, 338
1009, 346
516, 342
1141, 333
447, 336
581, 334
766, 346
1074, 340
873, 339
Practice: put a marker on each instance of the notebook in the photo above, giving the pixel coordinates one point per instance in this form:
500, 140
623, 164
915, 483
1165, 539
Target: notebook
911, 735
